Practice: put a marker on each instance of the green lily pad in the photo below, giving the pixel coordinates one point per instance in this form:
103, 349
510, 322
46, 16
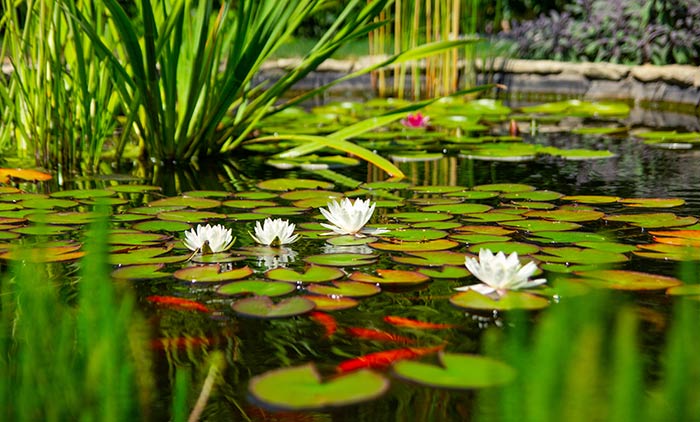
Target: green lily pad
386, 185
312, 274
530, 205
301, 388
419, 217
591, 199
248, 204
148, 255
505, 187
43, 230
456, 371
472, 195
537, 195
140, 272
49, 203
134, 188
344, 289
350, 240
478, 238
105, 201
599, 130
684, 290
83, 193
492, 217
431, 258
583, 256
414, 235
437, 225
275, 211
216, 258
652, 202
394, 277
58, 253
8, 235
248, 216
332, 303
437, 189
567, 215
206, 194
187, 216
430, 245
446, 271
342, 259
506, 247
62, 218
458, 208
608, 246
668, 252
567, 237
255, 195
653, 220
511, 300
256, 287
627, 280
211, 274
194, 202
540, 225
291, 184
160, 225
263, 307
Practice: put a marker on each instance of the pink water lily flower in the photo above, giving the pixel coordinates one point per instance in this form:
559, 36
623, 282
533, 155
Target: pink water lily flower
416, 120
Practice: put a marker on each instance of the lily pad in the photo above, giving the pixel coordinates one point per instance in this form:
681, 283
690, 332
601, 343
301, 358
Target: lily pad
446, 271
627, 280
456, 371
540, 225
344, 289
148, 255
134, 188
350, 240
189, 202
567, 215
571, 255
684, 290
248, 204
567, 237
419, 217
312, 274
458, 208
414, 235
437, 189
431, 258
256, 287
83, 193
506, 247
211, 274
140, 272
431, 245
49, 203
668, 252
301, 388
652, 202
291, 184
653, 220
492, 217
537, 195
505, 187
135, 238
332, 303
511, 300
160, 225
187, 216
394, 277
44, 230
263, 307
591, 199
342, 259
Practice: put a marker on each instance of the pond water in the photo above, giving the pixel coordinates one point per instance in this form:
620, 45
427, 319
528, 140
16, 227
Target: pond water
424, 207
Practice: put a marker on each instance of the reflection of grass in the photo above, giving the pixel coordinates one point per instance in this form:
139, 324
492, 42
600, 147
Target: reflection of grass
298, 47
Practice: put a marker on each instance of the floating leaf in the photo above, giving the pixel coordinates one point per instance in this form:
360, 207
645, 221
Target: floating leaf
160, 225
567, 237
627, 280
344, 289
248, 204
44, 230
414, 235
652, 202
653, 220
492, 217
62, 218
668, 252
211, 274
537, 195
504, 187
206, 194
140, 272
256, 287
478, 238
183, 201
332, 303
83, 193
341, 259
608, 246
431, 258
291, 184
419, 217
506, 247
350, 240
431, 245
437, 189
149, 255
44, 254
134, 188
447, 271
540, 225
135, 238
456, 371
437, 225
458, 208
263, 307
684, 290
394, 277
511, 300
591, 199
312, 274
573, 255
567, 215
188, 216
472, 195
275, 211
301, 388
48, 203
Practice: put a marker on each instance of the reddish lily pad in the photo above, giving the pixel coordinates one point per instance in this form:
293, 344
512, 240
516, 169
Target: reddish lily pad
431, 258
627, 280
211, 274
140, 272
301, 388
447, 271
264, 307
344, 289
511, 300
394, 277
506, 247
23, 174
652, 202
567, 215
256, 287
653, 220
342, 259
332, 303
456, 371
431, 245
312, 274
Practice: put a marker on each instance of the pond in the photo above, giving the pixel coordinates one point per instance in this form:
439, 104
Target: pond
619, 218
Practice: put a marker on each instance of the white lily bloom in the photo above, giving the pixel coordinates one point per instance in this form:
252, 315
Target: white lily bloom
348, 218
208, 239
500, 274
274, 232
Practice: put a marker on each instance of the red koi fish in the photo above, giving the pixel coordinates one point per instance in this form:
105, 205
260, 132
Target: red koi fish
326, 320
178, 303
412, 323
378, 335
381, 360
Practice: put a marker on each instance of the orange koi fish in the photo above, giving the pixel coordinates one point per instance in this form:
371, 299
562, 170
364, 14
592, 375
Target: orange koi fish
378, 335
412, 323
381, 360
326, 320
178, 303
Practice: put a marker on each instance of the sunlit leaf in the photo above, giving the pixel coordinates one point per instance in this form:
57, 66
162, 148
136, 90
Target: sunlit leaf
211, 273
627, 280
394, 277
264, 307
312, 274
511, 300
344, 289
256, 287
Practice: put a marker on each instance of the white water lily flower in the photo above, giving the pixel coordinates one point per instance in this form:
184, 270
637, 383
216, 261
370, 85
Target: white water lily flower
500, 274
348, 218
209, 239
274, 232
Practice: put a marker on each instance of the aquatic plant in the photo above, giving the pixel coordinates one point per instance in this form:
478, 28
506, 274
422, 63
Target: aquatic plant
499, 273
415, 120
348, 217
209, 239
274, 232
